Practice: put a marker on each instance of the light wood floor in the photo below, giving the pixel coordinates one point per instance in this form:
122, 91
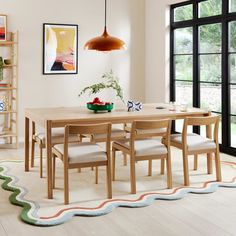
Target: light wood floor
212, 214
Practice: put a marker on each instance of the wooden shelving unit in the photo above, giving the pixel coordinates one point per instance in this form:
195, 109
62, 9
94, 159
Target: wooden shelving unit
9, 117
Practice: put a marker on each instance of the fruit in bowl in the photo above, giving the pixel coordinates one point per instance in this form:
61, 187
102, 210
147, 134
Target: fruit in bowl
98, 105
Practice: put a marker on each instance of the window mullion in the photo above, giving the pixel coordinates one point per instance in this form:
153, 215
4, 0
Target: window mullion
196, 87
225, 81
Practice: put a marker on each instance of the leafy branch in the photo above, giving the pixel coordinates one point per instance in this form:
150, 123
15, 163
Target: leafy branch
112, 82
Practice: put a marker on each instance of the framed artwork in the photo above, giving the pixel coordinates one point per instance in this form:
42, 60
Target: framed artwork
60, 49
3, 27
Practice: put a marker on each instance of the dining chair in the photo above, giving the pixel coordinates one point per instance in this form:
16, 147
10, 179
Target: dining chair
84, 154
40, 139
194, 144
147, 133
143, 147
116, 134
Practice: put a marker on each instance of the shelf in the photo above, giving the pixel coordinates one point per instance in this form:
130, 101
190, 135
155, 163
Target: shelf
7, 88
7, 112
9, 66
6, 135
7, 43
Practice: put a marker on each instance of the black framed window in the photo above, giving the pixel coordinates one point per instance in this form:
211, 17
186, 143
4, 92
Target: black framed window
203, 62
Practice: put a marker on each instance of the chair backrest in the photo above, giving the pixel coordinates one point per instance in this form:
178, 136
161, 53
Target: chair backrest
207, 121
151, 128
103, 128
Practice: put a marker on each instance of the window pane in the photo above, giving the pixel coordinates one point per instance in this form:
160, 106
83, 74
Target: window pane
232, 36
232, 68
210, 8
183, 13
232, 5
183, 67
183, 40
211, 97
233, 99
210, 38
233, 131
210, 68
203, 129
184, 93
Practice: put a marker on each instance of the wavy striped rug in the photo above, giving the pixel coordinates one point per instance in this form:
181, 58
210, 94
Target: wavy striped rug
88, 199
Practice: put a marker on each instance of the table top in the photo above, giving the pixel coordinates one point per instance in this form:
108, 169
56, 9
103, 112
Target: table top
64, 115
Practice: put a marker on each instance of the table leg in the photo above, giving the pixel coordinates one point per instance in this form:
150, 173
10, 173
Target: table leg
49, 157
27, 144
209, 155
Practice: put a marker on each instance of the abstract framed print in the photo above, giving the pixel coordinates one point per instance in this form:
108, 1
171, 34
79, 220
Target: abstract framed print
3, 27
60, 49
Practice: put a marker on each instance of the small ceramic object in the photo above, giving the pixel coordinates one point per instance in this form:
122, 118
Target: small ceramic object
7, 61
3, 103
134, 106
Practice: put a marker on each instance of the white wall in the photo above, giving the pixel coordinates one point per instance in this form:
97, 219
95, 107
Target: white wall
125, 20
157, 50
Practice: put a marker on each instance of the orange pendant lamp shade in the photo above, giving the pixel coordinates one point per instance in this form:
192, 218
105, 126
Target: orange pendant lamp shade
105, 42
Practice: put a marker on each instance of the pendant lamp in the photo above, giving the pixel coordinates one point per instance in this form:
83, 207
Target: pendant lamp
105, 42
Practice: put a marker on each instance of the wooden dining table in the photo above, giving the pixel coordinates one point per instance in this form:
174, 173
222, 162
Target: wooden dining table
49, 118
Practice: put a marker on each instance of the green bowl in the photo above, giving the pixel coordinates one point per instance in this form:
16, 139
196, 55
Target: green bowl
97, 108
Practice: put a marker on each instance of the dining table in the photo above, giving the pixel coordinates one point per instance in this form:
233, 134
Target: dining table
54, 117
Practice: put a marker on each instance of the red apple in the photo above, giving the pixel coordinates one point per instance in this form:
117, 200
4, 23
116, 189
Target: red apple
96, 100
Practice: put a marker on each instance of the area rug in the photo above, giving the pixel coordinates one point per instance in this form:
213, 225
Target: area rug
89, 199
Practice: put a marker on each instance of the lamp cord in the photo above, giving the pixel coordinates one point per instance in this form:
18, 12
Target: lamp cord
105, 13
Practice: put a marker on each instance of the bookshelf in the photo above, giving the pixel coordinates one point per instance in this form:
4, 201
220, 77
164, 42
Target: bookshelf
9, 92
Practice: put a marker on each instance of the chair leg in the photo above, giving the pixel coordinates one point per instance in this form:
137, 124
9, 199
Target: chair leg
185, 167
79, 170
109, 181
195, 162
162, 166
209, 163
169, 171
32, 153
125, 159
132, 175
218, 167
114, 164
66, 186
54, 171
41, 161
149, 167
96, 175
92, 168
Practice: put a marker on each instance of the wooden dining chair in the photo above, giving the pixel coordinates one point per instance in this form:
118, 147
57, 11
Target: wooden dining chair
116, 134
85, 154
146, 133
194, 144
141, 147
40, 139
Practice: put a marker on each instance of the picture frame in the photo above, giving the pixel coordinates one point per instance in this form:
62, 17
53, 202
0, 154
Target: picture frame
3, 27
60, 49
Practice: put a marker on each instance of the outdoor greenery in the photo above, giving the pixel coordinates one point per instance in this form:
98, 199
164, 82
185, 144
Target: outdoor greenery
232, 4
210, 8
184, 13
